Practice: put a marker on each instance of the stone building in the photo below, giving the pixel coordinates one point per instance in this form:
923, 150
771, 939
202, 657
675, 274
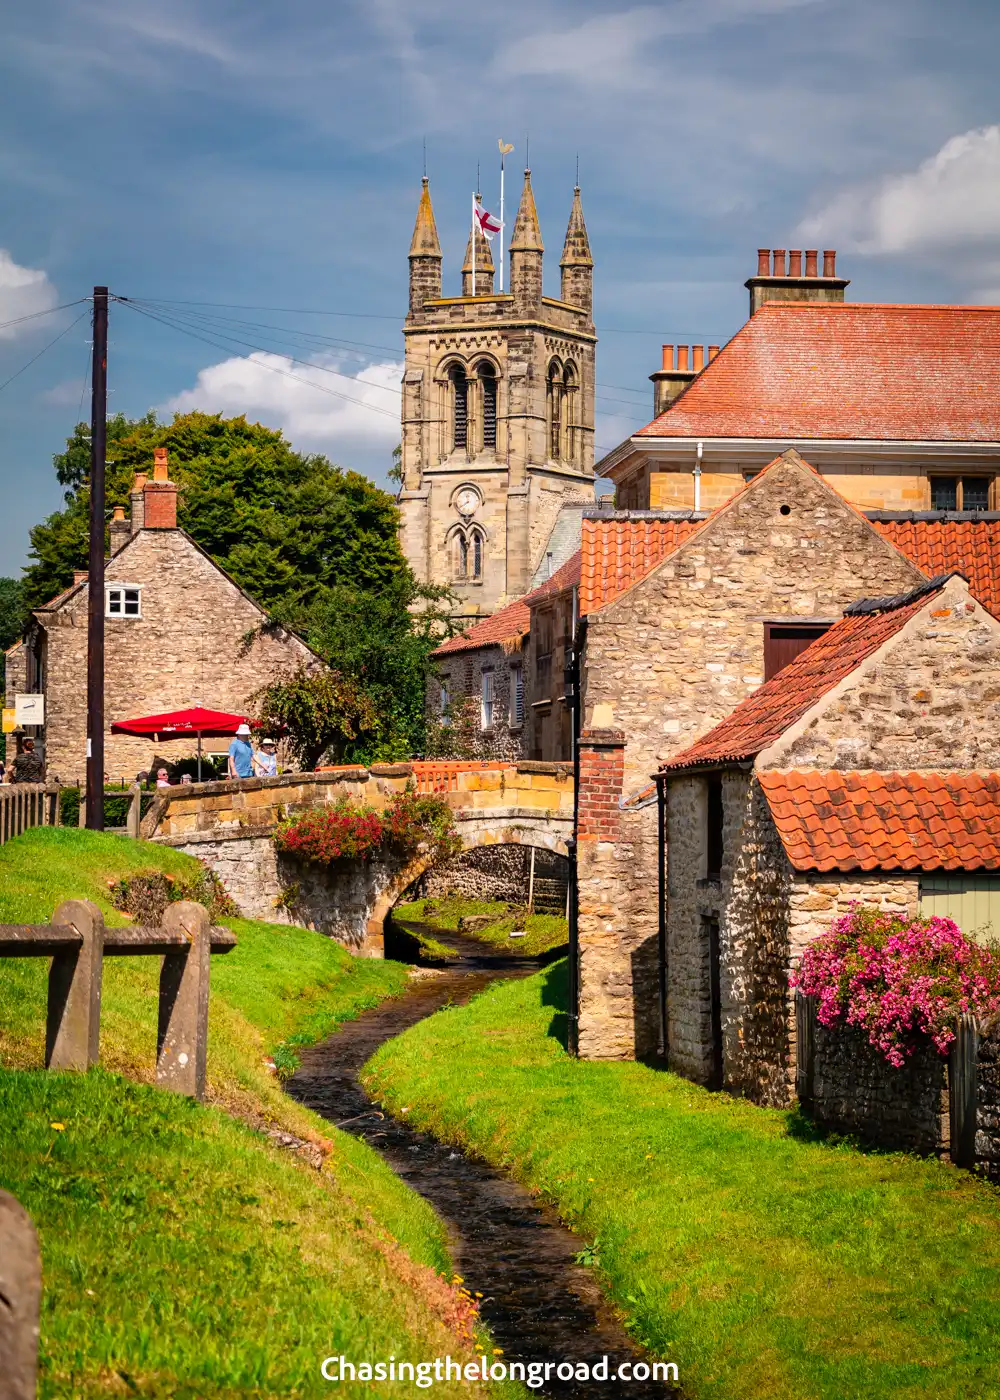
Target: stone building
504, 678
898, 407
865, 771
682, 617
498, 410
176, 629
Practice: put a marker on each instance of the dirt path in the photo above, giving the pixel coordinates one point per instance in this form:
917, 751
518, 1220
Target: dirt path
539, 1304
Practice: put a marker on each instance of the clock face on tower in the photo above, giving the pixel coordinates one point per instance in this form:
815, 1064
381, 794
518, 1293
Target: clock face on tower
467, 501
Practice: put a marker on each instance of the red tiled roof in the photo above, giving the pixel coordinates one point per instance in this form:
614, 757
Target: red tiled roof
772, 708
514, 621
808, 370
619, 552
886, 821
941, 546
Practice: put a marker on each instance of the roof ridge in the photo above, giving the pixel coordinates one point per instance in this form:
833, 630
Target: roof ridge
890, 602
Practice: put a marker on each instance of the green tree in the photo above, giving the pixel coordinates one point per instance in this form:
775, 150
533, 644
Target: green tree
320, 713
286, 526
13, 619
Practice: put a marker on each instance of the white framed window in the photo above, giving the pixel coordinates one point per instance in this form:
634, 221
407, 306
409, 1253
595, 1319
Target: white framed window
124, 600
486, 715
517, 695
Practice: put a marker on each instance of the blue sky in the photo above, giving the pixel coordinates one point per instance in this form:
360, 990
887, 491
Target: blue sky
228, 151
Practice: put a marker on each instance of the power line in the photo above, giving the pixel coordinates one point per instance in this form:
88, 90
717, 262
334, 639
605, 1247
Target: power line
289, 310
19, 320
41, 352
290, 331
321, 388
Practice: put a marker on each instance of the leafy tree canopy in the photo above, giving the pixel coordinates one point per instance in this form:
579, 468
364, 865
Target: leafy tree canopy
287, 526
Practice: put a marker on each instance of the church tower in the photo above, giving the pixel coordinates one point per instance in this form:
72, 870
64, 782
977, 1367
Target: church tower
498, 408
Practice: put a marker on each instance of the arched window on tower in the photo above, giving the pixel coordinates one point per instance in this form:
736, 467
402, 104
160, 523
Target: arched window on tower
554, 394
460, 405
569, 415
460, 555
488, 380
476, 551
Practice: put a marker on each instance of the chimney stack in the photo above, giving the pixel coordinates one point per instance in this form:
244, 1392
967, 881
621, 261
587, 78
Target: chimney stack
119, 531
79, 576
785, 281
138, 501
680, 364
160, 495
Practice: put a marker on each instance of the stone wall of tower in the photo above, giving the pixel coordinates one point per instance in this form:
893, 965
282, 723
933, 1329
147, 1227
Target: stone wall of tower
515, 488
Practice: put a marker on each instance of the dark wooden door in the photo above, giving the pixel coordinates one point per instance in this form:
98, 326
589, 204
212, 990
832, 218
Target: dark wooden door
710, 928
782, 643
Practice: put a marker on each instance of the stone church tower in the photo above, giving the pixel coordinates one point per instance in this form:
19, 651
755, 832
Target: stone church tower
498, 409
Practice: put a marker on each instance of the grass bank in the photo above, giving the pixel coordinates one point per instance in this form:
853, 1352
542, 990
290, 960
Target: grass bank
764, 1262
542, 932
184, 1253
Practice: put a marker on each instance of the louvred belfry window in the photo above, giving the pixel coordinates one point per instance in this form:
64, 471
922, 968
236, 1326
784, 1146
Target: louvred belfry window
488, 379
460, 397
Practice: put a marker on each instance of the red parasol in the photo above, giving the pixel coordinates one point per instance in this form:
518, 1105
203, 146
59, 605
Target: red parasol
182, 724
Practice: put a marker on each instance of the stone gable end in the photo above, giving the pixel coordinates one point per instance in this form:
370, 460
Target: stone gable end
930, 698
187, 648
679, 650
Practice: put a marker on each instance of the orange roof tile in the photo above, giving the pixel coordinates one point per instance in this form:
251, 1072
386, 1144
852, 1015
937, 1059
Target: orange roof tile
618, 552
886, 821
513, 622
971, 546
811, 370
764, 715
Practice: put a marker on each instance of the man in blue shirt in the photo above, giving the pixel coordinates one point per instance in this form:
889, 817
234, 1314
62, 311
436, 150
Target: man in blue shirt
241, 754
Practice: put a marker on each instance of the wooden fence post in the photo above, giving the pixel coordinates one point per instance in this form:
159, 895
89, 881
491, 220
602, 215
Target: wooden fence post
805, 1049
182, 1039
20, 1297
73, 1028
963, 1092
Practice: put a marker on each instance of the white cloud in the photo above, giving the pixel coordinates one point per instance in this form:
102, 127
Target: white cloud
319, 407
950, 202
24, 291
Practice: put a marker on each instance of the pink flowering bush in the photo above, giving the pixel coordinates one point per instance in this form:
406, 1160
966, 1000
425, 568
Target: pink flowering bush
899, 979
346, 831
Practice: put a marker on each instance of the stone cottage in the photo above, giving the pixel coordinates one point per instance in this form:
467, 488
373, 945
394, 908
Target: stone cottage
176, 629
865, 771
683, 616
506, 675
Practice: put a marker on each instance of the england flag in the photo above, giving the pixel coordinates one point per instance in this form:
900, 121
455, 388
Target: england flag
488, 225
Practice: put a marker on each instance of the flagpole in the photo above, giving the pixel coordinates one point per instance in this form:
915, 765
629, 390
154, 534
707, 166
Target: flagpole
473, 245
501, 218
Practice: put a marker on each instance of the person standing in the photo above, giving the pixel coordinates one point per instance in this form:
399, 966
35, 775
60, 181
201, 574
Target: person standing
265, 760
241, 754
28, 766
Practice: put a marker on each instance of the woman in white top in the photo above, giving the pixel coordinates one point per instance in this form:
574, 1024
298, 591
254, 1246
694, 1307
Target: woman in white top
265, 760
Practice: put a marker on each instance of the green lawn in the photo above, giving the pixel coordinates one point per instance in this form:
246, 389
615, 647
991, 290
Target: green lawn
543, 932
763, 1261
184, 1255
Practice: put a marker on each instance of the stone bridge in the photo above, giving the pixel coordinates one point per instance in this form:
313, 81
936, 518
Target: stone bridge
229, 825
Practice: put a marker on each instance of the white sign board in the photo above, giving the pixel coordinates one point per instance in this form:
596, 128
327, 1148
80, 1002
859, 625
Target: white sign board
29, 709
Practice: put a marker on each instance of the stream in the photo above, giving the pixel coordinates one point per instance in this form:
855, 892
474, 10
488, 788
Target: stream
539, 1304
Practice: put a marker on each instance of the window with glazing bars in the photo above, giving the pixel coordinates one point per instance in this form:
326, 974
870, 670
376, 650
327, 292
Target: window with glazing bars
460, 394
489, 382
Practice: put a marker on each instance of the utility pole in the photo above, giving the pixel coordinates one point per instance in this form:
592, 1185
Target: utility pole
95, 569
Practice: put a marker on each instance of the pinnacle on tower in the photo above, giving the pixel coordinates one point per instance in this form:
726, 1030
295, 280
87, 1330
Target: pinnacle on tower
527, 236
484, 265
576, 261
526, 250
425, 254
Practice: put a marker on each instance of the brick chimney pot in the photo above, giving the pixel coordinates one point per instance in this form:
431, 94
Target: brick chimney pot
161, 471
811, 255
829, 262
763, 262
699, 359
682, 357
713, 350
795, 263
668, 357
779, 262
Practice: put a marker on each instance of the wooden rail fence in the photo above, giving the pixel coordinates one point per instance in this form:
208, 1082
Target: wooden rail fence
23, 805
77, 942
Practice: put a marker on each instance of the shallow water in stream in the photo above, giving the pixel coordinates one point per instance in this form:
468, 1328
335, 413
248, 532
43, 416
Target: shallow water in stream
538, 1303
